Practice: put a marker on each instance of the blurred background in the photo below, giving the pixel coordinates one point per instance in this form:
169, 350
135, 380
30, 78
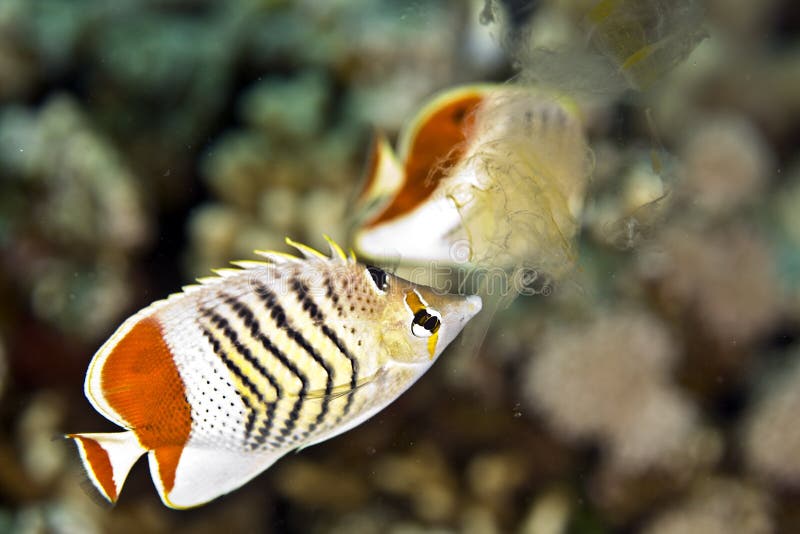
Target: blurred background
657, 390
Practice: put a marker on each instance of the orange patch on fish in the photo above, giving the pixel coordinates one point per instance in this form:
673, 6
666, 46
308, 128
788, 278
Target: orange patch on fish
436, 146
168, 458
97, 457
141, 382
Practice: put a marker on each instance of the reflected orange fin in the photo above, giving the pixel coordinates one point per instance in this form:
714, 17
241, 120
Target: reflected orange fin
433, 142
384, 173
382, 179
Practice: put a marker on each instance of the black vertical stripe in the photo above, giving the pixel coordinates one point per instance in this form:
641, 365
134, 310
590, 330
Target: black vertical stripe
316, 314
216, 346
250, 321
279, 316
233, 337
301, 290
268, 421
330, 293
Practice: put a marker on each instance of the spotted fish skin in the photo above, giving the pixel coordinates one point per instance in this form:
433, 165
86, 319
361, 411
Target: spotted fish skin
216, 383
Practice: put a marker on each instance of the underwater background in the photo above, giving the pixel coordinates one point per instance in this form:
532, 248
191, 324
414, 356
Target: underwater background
656, 390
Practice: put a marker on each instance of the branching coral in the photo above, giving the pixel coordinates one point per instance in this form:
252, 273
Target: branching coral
611, 381
771, 436
717, 506
73, 212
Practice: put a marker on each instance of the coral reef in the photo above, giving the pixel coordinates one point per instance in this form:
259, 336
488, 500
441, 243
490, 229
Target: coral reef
727, 164
724, 278
770, 434
717, 506
73, 215
611, 380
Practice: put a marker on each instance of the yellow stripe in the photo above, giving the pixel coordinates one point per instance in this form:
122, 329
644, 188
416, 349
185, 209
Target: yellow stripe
335, 247
246, 368
432, 341
305, 248
414, 301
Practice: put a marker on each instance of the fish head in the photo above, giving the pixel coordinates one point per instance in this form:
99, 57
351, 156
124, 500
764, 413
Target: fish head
419, 322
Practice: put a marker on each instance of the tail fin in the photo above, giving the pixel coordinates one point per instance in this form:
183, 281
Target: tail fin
108, 458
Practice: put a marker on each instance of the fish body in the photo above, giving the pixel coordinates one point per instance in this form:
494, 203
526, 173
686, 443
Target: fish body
216, 383
488, 176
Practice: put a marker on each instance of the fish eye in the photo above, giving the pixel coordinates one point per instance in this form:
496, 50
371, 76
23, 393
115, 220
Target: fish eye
379, 277
426, 322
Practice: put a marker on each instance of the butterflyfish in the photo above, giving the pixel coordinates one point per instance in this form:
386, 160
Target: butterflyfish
488, 176
217, 382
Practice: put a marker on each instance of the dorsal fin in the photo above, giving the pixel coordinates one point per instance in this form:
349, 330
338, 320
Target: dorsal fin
336, 250
276, 257
308, 253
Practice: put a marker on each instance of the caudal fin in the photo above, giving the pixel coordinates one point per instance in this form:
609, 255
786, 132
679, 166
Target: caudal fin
108, 458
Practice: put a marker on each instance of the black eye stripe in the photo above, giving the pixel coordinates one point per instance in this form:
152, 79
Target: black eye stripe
432, 324
427, 321
378, 276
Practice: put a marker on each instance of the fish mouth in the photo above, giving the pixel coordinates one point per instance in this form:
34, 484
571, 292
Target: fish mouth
474, 305
467, 309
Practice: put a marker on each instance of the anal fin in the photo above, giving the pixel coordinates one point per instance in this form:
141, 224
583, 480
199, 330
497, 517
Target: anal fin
203, 474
